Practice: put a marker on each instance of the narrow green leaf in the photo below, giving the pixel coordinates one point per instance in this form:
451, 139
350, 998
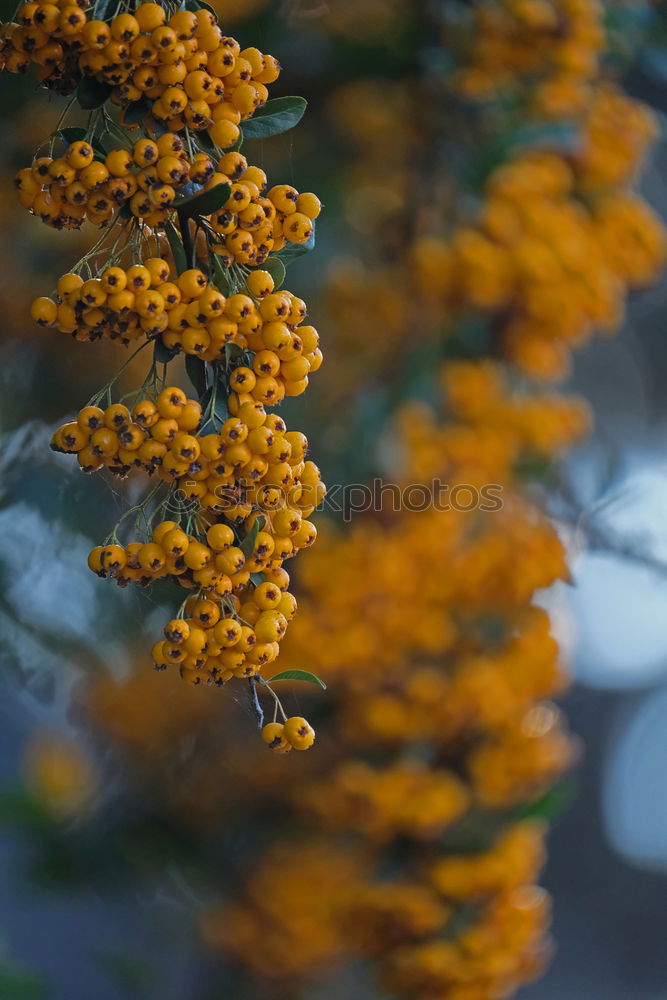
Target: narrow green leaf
297, 675
256, 578
293, 250
204, 202
221, 276
277, 270
92, 94
276, 116
105, 9
196, 372
176, 246
248, 543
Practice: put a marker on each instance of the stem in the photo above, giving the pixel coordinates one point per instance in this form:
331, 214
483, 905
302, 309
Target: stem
254, 702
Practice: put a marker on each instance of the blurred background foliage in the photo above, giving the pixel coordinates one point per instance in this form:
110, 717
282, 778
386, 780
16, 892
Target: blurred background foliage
129, 799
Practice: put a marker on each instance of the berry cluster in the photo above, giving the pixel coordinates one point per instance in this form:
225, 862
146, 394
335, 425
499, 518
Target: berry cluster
234, 623
249, 225
192, 75
119, 440
235, 480
82, 185
292, 734
193, 316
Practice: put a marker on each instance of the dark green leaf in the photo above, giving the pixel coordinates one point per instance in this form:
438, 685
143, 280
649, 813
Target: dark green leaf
219, 413
105, 9
248, 543
136, 111
204, 141
176, 246
195, 5
232, 353
550, 805
70, 135
196, 372
162, 353
276, 269
293, 250
204, 202
276, 116
92, 94
73, 134
221, 276
256, 579
297, 675
105, 143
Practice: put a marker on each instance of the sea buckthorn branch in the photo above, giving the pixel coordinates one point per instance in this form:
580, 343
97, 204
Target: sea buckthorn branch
186, 223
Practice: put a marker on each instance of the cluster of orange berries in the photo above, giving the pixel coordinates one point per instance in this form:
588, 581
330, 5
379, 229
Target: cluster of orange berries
192, 74
559, 269
553, 44
409, 800
154, 435
79, 185
65, 191
234, 625
250, 225
251, 463
294, 733
193, 316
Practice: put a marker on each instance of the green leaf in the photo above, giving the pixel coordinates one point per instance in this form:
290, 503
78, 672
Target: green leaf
221, 276
136, 112
219, 413
256, 578
298, 675
176, 246
248, 543
550, 805
276, 269
73, 134
196, 372
70, 135
105, 9
92, 94
232, 353
276, 116
162, 355
293, 250
204, 202
204, 140
195, 5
